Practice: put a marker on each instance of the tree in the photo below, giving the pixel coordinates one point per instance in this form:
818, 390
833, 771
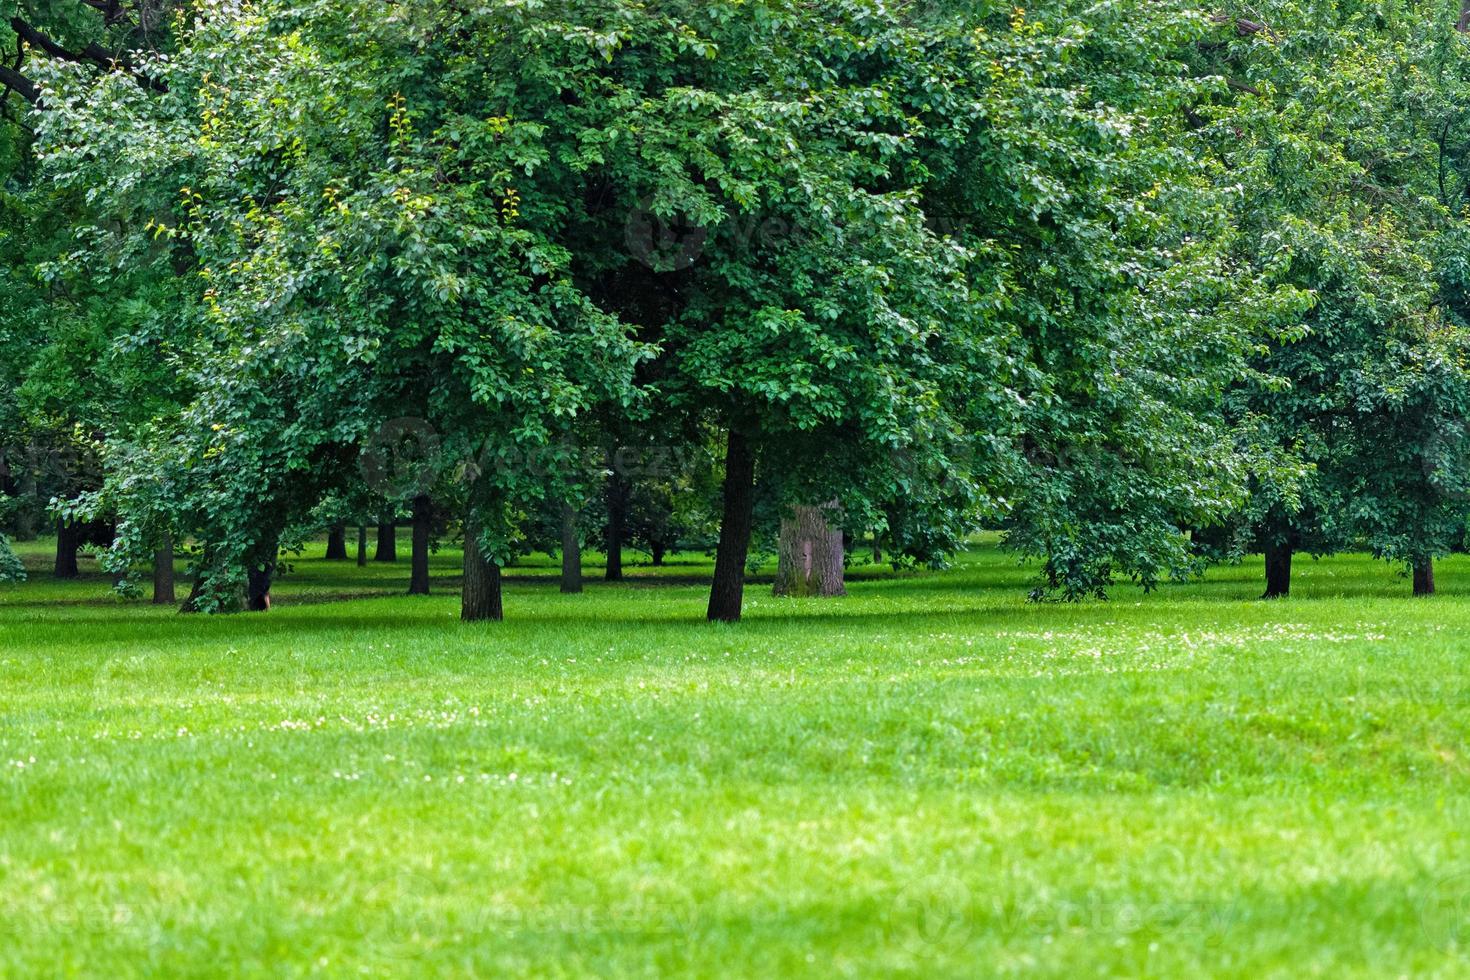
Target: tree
341, 255
1342, 131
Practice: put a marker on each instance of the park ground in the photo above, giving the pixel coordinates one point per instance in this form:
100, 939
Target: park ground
931, 777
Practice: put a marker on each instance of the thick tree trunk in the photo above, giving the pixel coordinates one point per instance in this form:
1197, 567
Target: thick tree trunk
68, 542
337, 543
727, 592
163, 573
361, 545
571, 552
658, 550
260, 571
423, 519
481, 598
387, 542
617, 515
1424, 577
1278, 571
810, 555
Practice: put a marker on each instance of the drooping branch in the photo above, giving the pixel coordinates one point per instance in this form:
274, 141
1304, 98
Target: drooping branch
93, 53
1243, 27
19, 84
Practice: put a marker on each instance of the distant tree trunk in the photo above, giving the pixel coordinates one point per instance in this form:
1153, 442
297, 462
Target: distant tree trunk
1278, 571
617, 515
423, 518
387, 542
1424, 577
877, 549
163, 572
481, 599
658, 550
337, 543
361, 545
727, 592
810, 554
68, 542
571, 551
27, 526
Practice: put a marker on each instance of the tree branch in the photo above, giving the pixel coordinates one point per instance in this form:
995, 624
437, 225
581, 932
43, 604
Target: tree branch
20, 85
93, 53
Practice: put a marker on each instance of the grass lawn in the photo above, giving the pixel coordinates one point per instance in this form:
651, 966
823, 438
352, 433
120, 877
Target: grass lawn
931, 777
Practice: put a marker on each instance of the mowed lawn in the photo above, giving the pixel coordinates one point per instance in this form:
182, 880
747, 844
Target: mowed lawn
932, 777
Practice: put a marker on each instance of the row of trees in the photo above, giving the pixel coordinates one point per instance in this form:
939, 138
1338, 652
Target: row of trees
1143, 288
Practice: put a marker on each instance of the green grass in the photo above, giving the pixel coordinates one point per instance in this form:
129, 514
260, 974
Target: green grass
931, 777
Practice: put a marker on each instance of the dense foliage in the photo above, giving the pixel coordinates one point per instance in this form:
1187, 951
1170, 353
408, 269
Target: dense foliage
1141, 286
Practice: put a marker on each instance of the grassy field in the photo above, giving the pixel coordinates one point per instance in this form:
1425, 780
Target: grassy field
931, 777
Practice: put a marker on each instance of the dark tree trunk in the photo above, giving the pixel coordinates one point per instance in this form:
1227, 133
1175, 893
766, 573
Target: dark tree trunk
337, 543
68, 542
658, 550
258, 587
727, 592
387, 542
27, 524
423, 519
260, 571
163, 573
1424, 577
617, 514
811, 555
877, 549
1278, 571
481, 598
571, 551
361, 545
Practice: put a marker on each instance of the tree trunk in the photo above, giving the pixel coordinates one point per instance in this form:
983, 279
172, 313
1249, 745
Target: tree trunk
337, 543
571, 552
68, 541
877, 549
361, 545
811, 555
423, 518
27, 526
1424, 577
260, 571
617, 512
1278, 571
163, 573
387, 542
196, 590
727, 592
658, 550
481, 598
